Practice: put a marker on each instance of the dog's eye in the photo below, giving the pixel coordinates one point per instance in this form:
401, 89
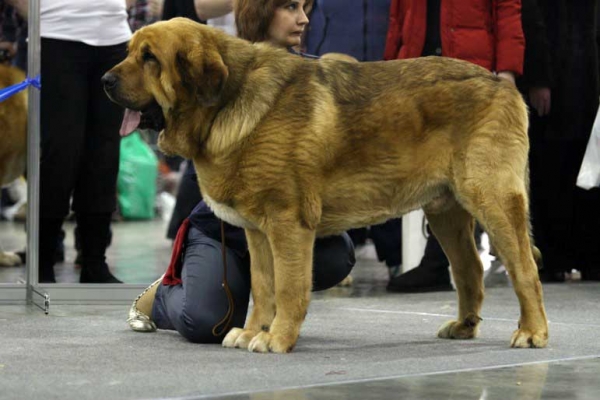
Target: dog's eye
148, 56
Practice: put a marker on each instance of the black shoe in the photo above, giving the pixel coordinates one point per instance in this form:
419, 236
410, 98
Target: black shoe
588, 275
549, 276
23, 256
97, 274
423, 278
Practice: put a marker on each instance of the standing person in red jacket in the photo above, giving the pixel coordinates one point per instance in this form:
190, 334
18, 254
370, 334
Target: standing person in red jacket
485, 32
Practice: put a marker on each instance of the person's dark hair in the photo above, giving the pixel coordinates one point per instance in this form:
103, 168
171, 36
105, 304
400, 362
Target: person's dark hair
253, 17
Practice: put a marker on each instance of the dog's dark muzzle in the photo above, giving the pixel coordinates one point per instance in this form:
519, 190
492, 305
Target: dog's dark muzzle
110, 82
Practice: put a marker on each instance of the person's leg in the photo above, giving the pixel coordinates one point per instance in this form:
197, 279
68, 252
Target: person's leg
587, 223
94, 241
196, 306
188, 196
94, 198
430, 275
358, 236
387, 238
63, 120
333, 259
552, 185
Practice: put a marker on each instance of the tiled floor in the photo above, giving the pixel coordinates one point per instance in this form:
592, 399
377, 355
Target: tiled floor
558, 380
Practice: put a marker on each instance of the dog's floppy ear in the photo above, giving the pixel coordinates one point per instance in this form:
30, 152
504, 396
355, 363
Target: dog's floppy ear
203, 72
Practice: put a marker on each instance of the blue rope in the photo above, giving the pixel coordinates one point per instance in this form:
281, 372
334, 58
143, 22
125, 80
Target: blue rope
14, 89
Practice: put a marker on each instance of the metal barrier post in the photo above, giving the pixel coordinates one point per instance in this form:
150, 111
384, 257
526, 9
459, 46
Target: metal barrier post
33, 149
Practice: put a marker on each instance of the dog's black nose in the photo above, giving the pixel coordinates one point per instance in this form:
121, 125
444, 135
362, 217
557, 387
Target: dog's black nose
109, 80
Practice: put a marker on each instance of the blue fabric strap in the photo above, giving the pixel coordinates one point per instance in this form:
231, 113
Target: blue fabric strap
9, 91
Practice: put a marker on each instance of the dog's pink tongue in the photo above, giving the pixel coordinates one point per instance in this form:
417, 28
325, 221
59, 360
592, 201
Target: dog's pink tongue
131, 120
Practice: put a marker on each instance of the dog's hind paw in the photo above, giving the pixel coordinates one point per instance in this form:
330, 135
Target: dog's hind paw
466, 329
523, 338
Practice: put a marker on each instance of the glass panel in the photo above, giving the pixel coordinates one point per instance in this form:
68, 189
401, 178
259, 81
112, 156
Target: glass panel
13, 159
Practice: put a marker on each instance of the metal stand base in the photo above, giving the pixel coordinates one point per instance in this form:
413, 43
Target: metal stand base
46, 300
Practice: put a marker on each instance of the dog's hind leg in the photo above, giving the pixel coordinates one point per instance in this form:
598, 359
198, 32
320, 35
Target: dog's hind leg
502, 208
453, 227
292, 247
263, 292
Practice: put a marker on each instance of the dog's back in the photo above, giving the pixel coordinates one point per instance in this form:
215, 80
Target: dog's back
367, 141
424, 125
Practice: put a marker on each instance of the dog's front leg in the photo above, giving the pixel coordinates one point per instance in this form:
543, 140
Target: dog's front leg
292, 247
263, 292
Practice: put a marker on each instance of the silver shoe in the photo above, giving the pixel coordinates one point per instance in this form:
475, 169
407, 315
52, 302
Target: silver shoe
138, 321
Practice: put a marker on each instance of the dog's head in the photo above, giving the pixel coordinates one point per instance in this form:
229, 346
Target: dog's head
173, 69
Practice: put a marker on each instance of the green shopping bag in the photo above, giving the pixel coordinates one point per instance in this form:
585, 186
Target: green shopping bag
136, 183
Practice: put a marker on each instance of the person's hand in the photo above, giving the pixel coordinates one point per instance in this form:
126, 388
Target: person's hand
539, 97
508, 75
208, 9
155, 8
8, 49
20, 5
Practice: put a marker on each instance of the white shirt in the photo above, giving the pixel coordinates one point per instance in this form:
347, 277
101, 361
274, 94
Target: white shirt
93, 22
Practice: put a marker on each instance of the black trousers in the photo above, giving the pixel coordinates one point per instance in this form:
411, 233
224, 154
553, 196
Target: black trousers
387, 238
79, 129
80, 149
565, 218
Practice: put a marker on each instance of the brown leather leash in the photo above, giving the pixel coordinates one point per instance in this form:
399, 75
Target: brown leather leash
223, 325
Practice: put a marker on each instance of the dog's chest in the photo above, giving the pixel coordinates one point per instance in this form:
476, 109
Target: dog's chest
227, 213
13, 168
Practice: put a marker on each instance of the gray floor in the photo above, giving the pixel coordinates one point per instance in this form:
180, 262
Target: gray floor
356, 343
139, 252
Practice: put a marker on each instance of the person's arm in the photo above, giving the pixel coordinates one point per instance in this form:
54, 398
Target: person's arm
20, 6
169, 10
155, 9
207, 9
537, 70
394, 35
8, 31
510, 41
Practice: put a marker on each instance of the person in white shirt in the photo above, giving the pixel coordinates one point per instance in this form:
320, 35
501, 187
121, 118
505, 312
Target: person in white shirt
81, 40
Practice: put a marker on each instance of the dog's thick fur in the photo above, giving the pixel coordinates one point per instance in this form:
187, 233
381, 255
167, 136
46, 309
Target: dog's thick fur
291, 148
13, 138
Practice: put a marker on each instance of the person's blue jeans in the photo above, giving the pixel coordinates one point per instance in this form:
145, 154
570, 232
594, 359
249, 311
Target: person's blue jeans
194, 307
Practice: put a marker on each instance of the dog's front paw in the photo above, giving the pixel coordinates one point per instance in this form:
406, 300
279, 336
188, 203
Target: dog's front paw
524, 338
265, 342
260, 343
231, 337
238, 338
466, 329
282, 344
8, 259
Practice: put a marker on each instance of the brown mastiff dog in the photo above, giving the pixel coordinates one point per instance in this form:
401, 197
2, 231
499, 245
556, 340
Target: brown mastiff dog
13, 139
291, 148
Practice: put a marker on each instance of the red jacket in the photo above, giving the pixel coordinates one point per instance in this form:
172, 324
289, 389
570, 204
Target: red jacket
485, 32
